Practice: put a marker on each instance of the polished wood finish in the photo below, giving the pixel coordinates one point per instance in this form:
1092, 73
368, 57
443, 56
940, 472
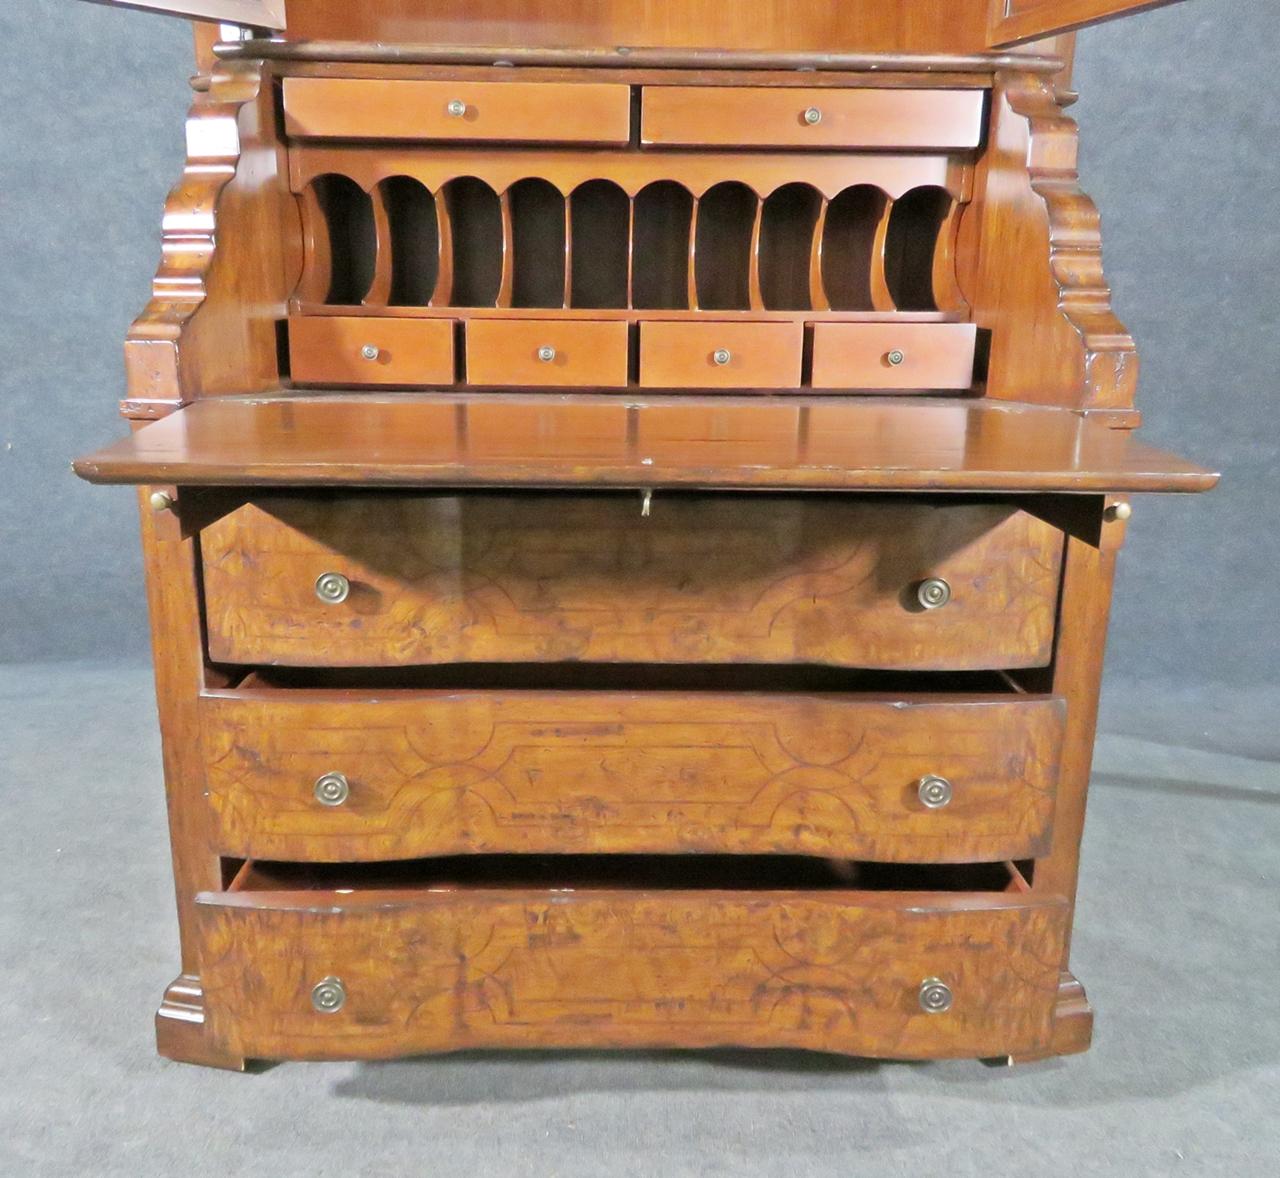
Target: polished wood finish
720, 355
350, 351
700, 442
367, 108
263, 14
513, 352
464, 772
838, 971
901, 356
719, 116
438, 579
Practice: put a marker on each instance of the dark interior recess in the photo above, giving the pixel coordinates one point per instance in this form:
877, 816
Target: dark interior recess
415, 241
538, 241
912, 240
848, 241
660, 247
600, 225
722, 248
475, 214
787, 226
649, 872
353, 239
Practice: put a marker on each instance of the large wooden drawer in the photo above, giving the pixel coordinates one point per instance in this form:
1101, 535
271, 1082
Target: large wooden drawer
342, 775
893, 355
370, 108
720, 355
547, 352
309, 970
783, 116
369, 350
381, 578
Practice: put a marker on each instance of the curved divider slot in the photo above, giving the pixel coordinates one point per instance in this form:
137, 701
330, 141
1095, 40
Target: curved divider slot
475, 215
789, 219
726, 228
414, 241
660, 247
912, 241
347, 212
850, 257
538, 244
600, 220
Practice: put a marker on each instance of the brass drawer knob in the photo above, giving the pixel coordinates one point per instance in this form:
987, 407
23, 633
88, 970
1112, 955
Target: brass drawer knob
934, 792
894, 358
935, 996
457, 108
370, 352
332, 789
813, 116
328, 995
933, 593
546, 353
722, 356
162, 501
332, 588
1118, 513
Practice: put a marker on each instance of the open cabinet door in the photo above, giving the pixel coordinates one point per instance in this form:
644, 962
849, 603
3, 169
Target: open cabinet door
1013, 21
263, 14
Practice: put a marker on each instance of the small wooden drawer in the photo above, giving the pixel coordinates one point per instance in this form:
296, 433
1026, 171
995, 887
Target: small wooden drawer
784, 116
365, 350
893, 355
441, 955
555, 352
542, 112
721, 355
331, 775
376, 579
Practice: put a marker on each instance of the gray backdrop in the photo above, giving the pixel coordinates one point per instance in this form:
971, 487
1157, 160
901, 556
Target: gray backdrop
1179, 119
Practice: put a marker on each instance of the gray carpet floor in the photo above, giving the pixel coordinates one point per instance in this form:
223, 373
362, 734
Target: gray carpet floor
1178, 944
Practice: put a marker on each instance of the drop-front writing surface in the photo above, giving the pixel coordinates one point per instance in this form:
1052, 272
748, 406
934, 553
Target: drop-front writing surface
630, 504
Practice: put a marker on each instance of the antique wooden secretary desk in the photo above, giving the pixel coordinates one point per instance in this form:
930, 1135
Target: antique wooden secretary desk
630, 494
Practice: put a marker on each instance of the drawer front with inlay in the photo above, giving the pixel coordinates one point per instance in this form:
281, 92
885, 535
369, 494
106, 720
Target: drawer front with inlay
379, 579
331, 974
368, 108
546, 352
893, 355
782, 116
328, 775
367, 350
720, 355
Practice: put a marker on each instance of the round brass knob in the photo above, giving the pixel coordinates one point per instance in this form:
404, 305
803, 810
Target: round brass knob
813, 116
934, 791
1118, 512
935, 996
457, 108
370, 352
328, 995
933, 593
332, 789
546, 353
894, 358
161, 501
722, 356
332, 588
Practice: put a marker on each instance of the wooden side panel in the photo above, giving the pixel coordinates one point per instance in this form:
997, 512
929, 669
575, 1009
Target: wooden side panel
263, 14
1015, 21
438, 579
442, 972
544, 772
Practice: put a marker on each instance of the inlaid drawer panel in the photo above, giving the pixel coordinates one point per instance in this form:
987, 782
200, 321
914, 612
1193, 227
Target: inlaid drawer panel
893, 355
380, 578
369, 108
352, 973
367, 350
330, 776
783, 116
550, 352
721, 355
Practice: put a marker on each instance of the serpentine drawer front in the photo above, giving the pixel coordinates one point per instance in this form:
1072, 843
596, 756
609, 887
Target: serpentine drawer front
384, 579
360, 775
350, 973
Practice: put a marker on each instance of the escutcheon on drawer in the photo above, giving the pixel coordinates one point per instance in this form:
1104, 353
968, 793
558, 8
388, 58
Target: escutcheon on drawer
547, 352
368, 350
331, 775
393, 579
